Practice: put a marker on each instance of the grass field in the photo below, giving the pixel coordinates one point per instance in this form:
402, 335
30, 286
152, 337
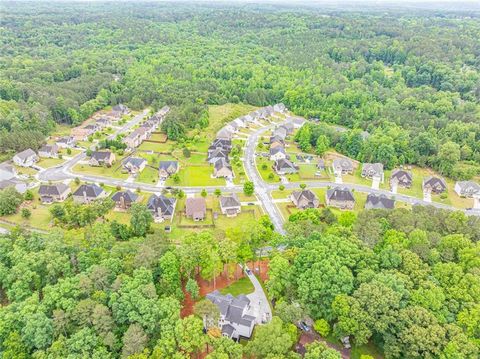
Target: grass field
114, 171
218, 115
168, 146
196, 176
149, 175
50, 162
241, 286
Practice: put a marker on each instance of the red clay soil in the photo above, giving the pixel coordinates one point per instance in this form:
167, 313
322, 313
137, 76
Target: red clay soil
260, 268
310, 337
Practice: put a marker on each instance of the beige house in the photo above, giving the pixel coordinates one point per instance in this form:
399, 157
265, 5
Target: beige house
196, 208
304, 199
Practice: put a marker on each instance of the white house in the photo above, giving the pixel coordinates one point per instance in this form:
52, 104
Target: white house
25, 158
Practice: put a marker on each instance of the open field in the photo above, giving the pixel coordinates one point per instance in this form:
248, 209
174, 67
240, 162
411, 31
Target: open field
196, 176
115, 171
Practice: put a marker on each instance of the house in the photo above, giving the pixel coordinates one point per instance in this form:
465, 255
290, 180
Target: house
249, 118
66, 142
82, 133
276, 144
235, 320
340, 197
217, 154
371, 170
277, 153
134, 165
284, 166
162, 207
240, 122
135, 138
25, 158
221, 168
231, 126
225, 134
20, 186
7, 171
321, 164
401, 178
120, 110
268, 110
305, 199
467, 188
88, 193
279, 107
297, 122
288, 126
342, 166
101, 158
48, 151
375, 201
103, 122
93, 127
124, 199
167, 168
280, 132
196, 208
54, 193
230, 205
433, 184
221, 143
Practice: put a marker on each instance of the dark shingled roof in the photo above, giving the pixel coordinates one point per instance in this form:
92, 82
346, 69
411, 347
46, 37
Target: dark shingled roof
101, 155
134, 161
91, 190
232, 307
340, 194
229, 201
379, 202
166, 205
52, 190
128, 196
307, 194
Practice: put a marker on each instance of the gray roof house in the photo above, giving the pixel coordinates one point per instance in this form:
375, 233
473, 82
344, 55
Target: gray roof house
284, 166
434, 184
342, 166
277, 153
216, 154
48, 151
221, 168
235, 320
402, 178
230, 205
124, 199
196, 208
279, 107
66, 142
25, 158
134, 164
54, 193
7, 171
379, 202
305, 199
101, 158
371, 170
467, 188
87, 193
280, 132
288, 126
167, 168
161, 207
225, 134
221, 143
20, 186
340, 197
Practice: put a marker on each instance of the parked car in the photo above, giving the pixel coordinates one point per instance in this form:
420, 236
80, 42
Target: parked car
346, 342
248, 271
303, 326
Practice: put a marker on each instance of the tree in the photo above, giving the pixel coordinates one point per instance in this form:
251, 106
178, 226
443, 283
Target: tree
189, 334
134, 340
248, 188
209, 312
186, 152
192, 288
204, 193
270, 339
322, 145
141, 219
26, 213
28, 195
10, 199
322, 327
217, 192
318, 350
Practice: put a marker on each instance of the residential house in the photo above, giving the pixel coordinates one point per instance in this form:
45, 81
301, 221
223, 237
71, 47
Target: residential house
297, 122
240, 122
134, 165
288, 126
20, 186
225, 134
120, 110
25, 158
88, 193
135, 138
124, 199
268, 110
66, 142
167, 168
279, 107
284, 166
82, 133
434, 185
221, 143
232, 126
162, 207
280, 132
196, 208
92, 127
249, 118
276, 144
102, 158
381, 201
230, 205
467, 188
217, 154
371, 170
235, 322
277, 153
342, 166
321, 164
401, 178
7, 172
340, 197
48, 151
57, 192
304, 199
222, 169
103, 122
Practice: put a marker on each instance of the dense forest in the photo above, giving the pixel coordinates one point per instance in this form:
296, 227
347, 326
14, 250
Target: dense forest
409, 78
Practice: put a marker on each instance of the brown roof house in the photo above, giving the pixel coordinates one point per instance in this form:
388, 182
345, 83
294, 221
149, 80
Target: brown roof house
54, 193
167, 168
304, 199
196, 208
284, 166
162, 207
88, 193
230, 205
433, 184
401, 178
48, 151
222, 169
340, 197
25, 158
342, 166
102, 158
124, 199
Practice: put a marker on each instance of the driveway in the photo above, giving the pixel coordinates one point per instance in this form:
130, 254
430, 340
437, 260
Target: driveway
258, 299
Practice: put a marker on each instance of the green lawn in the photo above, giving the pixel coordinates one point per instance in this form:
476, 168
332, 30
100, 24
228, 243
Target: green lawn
240, 175
241, 286
168, 146
268, 172
115, 171
196, 176
50, 162
149, 175
368, 349
218, 115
